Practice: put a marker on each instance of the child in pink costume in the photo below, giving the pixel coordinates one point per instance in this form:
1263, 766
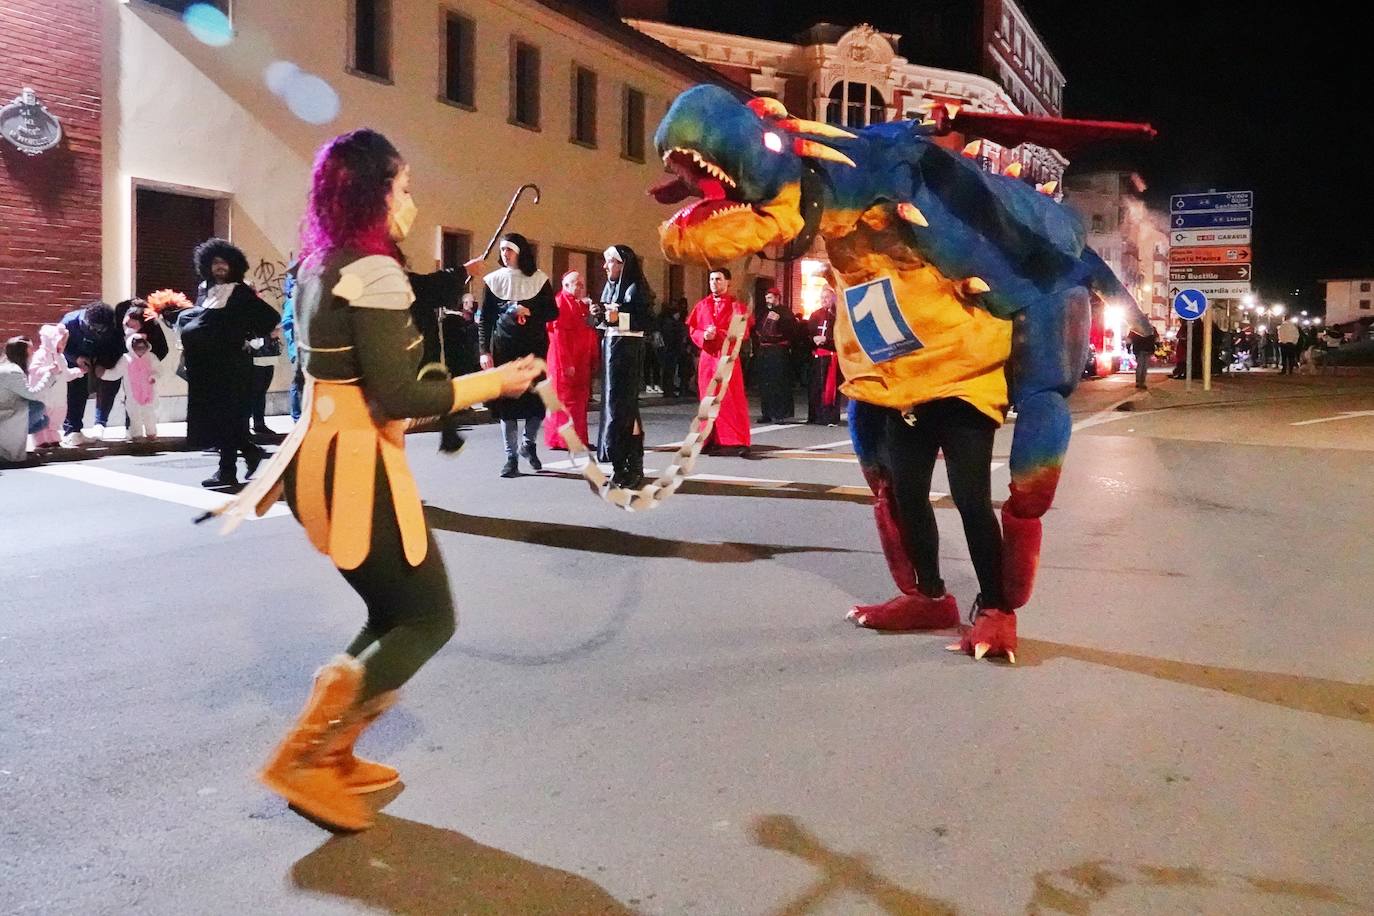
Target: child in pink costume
138, 369
49, 373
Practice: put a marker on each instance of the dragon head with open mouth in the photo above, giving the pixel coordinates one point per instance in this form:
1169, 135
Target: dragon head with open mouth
747, 164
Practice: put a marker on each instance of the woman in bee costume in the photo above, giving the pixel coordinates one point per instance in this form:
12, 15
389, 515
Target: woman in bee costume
345, 472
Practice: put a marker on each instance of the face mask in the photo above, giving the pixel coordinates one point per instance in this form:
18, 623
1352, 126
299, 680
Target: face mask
402, 218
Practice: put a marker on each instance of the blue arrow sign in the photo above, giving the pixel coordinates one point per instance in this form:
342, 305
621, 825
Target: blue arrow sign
1217, 200
1189, 304
1214, 219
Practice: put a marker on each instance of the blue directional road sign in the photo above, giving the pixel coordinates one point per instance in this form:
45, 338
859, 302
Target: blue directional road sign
1217, 200
1212, 219
878, 323
1189, 304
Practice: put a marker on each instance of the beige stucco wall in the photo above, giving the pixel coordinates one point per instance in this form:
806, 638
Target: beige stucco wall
181, 113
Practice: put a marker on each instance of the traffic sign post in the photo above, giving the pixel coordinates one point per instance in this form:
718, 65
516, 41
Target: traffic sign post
1209, 258
1190, 305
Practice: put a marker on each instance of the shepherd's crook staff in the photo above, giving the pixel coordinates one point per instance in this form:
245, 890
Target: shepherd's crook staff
443, 352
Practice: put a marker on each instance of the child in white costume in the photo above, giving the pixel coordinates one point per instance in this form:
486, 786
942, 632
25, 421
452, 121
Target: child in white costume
138, 369
49, 373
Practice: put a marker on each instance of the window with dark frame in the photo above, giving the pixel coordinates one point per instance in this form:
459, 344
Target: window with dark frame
1364, 287
1364, 305
455, 249
372, 38
584, 106
524, 85
632, 143
459, 42
180, 6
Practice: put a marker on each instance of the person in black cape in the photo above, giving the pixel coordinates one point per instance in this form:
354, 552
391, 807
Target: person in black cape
775, 334
219, 369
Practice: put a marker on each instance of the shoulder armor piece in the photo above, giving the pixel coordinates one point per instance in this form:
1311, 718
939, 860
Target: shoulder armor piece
374, 282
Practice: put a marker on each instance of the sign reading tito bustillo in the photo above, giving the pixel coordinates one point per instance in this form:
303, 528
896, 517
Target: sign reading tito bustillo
28, 125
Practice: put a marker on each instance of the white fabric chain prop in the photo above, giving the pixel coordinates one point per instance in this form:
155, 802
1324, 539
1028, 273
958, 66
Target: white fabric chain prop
654, 493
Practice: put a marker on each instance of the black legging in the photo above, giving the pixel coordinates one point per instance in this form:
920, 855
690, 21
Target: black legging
262, 380
410, 613
965, 435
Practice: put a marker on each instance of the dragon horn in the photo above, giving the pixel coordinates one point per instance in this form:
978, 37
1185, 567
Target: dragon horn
802, 126
767, 107
804, 147
911, 214
974, 149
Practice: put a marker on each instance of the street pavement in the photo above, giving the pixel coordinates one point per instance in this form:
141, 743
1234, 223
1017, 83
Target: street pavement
666, 713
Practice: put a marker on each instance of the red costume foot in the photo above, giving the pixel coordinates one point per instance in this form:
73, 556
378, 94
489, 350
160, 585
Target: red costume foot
993, 633
907, 612
1020, 556
890, 531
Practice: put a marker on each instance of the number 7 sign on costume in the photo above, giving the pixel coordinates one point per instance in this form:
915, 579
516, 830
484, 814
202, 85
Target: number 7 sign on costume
878, 324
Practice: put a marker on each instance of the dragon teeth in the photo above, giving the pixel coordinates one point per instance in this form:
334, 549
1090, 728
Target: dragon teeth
710, 168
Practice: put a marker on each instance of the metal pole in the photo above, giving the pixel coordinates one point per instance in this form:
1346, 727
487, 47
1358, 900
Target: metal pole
1206, 353
1188, 375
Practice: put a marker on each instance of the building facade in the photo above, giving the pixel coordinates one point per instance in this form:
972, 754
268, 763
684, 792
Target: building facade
1129, 236
182, 126
50, 201
1349, 300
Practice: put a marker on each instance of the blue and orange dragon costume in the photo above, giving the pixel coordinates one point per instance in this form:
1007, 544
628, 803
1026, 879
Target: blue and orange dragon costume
956, 283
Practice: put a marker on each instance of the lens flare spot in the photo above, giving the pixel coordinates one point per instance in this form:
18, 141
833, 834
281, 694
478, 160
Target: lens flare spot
279, 75
208, 25
311, 99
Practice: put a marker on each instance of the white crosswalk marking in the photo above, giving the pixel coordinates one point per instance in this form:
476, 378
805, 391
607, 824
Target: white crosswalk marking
182, 495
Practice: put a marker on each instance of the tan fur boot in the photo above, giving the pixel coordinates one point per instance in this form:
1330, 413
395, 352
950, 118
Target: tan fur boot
359, 774
301, 771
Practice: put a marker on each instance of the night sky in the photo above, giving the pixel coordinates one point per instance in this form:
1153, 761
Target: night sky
1267, 97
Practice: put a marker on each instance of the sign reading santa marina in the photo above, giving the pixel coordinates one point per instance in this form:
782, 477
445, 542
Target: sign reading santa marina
28, 125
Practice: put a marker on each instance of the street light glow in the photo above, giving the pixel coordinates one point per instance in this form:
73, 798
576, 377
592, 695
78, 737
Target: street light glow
1278, 308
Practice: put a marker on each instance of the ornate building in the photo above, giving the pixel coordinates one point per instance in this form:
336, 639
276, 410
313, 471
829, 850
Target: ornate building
855, 77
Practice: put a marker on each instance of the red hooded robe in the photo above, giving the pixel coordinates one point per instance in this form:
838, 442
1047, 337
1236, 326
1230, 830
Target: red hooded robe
572, 366
732, 424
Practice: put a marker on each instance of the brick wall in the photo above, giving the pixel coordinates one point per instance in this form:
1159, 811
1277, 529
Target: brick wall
50, 204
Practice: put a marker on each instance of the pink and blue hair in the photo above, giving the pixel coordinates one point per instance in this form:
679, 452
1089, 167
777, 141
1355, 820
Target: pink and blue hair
348, 196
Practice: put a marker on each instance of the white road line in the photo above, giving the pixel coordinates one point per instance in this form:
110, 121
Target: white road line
801, 453
1346, 415
1106, 415
194, 497
756, 431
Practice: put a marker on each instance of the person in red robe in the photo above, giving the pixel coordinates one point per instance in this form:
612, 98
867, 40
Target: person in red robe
708, 324
572, 359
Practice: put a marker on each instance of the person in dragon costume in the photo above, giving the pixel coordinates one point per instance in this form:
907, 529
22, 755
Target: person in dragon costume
963, 292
